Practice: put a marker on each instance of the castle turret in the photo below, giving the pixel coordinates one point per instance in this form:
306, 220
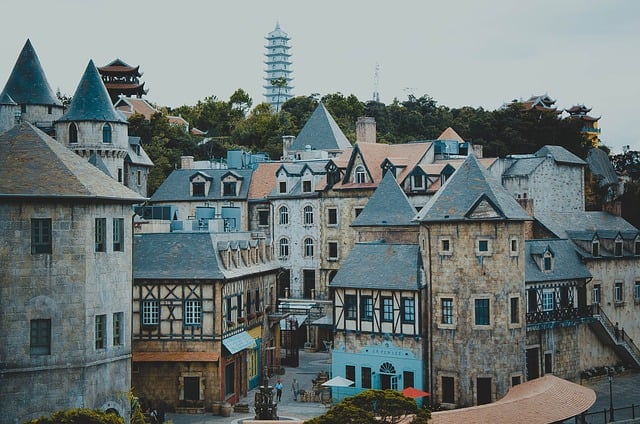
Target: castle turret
92, 126
27, 95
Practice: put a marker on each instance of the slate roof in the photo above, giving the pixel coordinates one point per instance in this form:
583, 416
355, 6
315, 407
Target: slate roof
176, 186
601, 167
32, 164
378, 265
91, 101
559, 154
136, 154
184, 256
588, 223
27, 84
321, 132
97, 161
567, 263
523, 166
462, 192
388, 206
5, 99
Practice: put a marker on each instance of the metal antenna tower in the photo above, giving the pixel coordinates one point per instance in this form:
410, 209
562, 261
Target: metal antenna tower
376, 78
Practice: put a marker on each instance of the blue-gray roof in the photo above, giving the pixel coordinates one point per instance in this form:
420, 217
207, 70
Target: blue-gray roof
97, 161
136, 154
320, 132
378, 265
584, 225
559, 154
5, 99
27, 84
601, 167
176, 186
566, 261
388, 206
91, 101
469, 188
47, 169
523, 166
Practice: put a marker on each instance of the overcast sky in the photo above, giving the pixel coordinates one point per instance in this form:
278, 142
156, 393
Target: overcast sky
460, 52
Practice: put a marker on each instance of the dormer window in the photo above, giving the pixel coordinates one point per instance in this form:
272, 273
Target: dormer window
306, 186
73, 133
418, 182
229, 188
547, 263
360, 175
636, 247
198, 189
106, 133
595, 248
283, 187
617, 247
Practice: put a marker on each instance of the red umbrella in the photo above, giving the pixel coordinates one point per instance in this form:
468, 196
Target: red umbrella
414, 393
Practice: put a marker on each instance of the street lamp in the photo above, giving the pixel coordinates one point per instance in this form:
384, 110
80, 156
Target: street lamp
610, 378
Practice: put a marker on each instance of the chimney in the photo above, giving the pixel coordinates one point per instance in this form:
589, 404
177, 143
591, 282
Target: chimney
366, 130
287, 141
186, 162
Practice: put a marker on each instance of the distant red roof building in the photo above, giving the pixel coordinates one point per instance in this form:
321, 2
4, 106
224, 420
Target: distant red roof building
122, 79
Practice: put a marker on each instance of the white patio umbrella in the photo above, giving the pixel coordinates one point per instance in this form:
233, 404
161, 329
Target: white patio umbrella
338, 381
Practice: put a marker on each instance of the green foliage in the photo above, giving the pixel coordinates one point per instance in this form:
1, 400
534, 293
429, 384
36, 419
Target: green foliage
373, 406
79, 416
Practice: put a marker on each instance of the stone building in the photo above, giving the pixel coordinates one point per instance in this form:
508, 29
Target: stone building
27, 95
472, 236
200, 328
65, 280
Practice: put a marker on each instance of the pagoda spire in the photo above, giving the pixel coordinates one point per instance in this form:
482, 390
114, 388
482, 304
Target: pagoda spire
278, 68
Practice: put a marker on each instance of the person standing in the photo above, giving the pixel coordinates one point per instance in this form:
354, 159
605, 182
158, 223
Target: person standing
278, 388
616, 332
295, 388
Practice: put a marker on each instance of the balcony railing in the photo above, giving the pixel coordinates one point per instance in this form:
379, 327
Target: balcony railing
559, 315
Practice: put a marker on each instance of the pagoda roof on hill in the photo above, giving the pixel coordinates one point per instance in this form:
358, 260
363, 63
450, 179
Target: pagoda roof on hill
27, 84
119, 67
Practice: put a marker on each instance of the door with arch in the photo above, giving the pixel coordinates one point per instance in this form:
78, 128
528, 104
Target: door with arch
388, 377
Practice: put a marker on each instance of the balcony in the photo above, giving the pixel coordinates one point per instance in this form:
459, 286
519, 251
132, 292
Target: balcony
562, 317
590, 130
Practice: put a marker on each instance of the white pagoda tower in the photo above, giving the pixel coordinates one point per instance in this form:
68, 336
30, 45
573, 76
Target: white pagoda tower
278, 71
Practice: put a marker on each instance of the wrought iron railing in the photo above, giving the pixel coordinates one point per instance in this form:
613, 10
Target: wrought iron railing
561, 314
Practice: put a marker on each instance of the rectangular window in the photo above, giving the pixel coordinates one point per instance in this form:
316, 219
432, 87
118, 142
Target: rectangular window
332, 216
40, 337
548, 300
350, 306
101, 234
636, 291
636, 248
150, 312
548, 363
595, 249
306, 186
447, 310
193, 312
418, 182
483, 245
387, 309
366, 303
617, 248
118, 235
118, 330
447, 390
514, 246
198, 189
595, 293
41, 235
119, 175
445, 245
547, 263
482, 312
139, 177
514, 310
408, 310
333, 250
229, 188
365, 376
407, 379
101, 331
263, 218
618, 292
350, 372
515, 380
283, 187
239, 305
358, 211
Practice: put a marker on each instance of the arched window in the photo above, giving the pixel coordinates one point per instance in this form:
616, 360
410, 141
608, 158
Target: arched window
284, 215
308, 247
106, 133
308, 215
73, 133
360, 175
284, 248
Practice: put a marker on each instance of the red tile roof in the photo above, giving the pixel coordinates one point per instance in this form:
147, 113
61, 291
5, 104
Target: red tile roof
263, 180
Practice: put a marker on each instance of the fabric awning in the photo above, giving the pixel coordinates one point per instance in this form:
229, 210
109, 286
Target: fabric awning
299, 319
175, 356
238, 342
325, 320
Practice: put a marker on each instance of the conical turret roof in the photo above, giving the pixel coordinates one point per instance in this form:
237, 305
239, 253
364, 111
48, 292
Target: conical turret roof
91, 101
27, 84
320, 132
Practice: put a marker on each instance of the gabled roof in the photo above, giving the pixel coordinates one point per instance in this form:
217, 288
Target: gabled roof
136, 154
130, 105
320, 132
567, 263
450, 134
470, 193
523, 166
47, 169
263, 180
176, 186
388, 206
601, 167
559, 154
395, 267
563, 225
97, 161
5, 99
27, 84
91, 101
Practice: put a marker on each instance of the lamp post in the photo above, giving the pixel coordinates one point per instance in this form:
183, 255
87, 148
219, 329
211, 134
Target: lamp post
610, 377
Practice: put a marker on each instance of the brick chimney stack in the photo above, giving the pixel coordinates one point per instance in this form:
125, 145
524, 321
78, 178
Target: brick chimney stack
366, 130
